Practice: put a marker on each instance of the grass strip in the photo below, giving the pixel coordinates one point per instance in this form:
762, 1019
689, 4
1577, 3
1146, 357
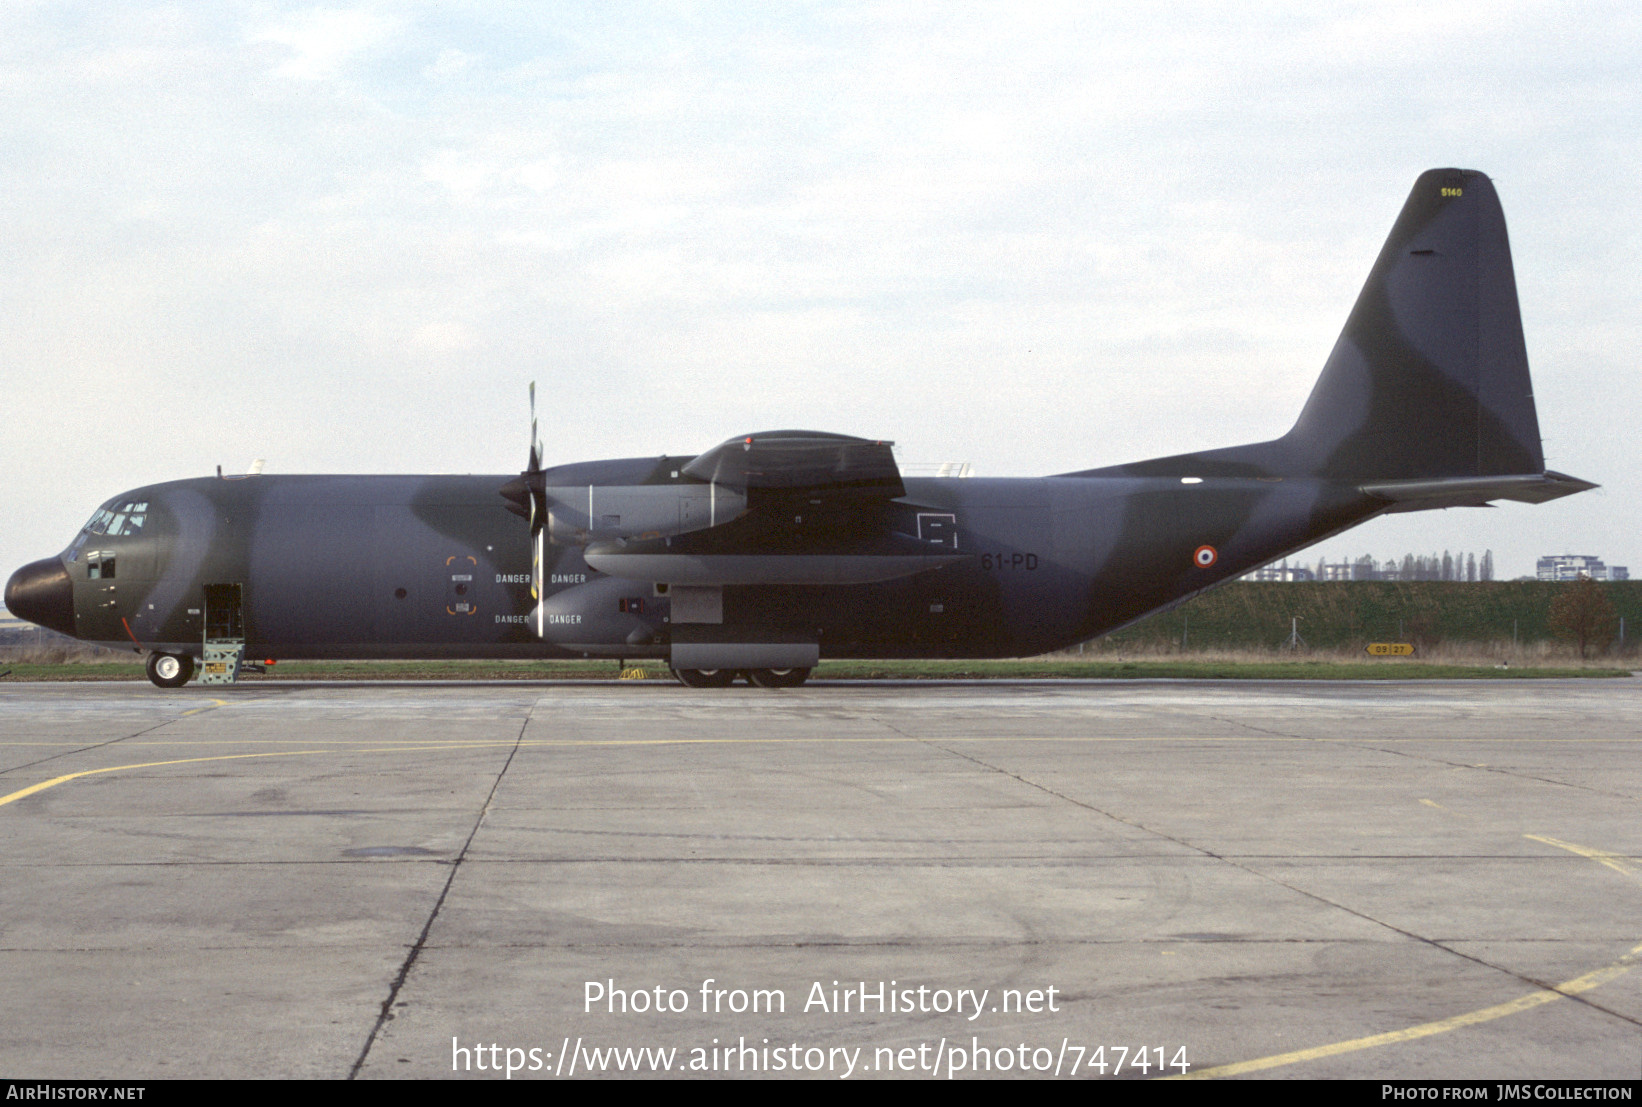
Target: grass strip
1185, 668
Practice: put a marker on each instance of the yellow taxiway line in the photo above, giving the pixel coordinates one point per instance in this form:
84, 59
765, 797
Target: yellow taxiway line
1618, 862
1550, 994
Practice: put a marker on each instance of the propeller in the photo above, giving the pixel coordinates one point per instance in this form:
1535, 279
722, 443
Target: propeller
527, 496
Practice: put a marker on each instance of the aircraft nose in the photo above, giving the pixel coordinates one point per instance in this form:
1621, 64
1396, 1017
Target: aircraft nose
42, 593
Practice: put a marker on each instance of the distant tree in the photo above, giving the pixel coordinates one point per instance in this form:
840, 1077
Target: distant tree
1487, 565
1470, 566
1447, 565
1582, 614
1408, 568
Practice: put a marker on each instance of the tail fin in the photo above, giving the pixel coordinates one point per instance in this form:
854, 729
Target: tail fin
1429, 379
1425, 401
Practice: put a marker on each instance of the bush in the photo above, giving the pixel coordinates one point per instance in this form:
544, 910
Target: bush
1581, 614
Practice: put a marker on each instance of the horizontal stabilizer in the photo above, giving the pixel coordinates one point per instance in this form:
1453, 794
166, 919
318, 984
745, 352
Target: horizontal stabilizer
1423, 495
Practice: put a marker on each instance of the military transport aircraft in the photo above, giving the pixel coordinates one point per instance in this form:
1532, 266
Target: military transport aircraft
773, 550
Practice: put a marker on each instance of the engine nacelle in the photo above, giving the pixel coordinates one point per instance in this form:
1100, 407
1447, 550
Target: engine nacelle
583, 514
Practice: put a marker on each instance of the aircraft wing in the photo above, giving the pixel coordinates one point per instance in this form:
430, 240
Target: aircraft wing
819, 511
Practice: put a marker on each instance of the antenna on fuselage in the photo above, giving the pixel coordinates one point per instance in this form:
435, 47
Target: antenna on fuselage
254, 471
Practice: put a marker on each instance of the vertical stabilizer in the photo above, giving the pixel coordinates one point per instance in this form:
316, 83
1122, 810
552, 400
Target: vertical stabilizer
1429, 379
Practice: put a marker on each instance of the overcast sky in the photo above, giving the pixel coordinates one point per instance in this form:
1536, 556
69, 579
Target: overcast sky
1032, 237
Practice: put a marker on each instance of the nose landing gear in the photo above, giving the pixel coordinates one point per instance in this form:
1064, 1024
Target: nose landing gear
170, 670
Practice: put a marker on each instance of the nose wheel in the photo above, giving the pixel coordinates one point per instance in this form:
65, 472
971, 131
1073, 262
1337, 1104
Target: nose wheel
170, 670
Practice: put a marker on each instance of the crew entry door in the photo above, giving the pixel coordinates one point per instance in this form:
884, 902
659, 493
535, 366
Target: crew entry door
224, 634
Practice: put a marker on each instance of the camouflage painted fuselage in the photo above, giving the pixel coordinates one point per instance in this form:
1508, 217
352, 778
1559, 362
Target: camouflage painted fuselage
434, 566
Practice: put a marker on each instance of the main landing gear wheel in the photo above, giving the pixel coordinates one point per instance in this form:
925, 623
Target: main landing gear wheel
778, 678
170, 670
705, 678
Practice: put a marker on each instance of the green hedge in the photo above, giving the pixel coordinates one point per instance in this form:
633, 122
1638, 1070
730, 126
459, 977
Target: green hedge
1246, 615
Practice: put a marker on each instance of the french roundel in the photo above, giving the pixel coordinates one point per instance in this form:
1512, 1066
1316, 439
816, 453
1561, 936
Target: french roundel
1205, 557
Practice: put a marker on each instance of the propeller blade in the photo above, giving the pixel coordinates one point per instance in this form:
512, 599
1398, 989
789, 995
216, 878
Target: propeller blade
535, 440
538, 523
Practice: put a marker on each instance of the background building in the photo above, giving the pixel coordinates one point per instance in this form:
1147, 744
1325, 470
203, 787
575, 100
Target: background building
1284, 572
1574, 566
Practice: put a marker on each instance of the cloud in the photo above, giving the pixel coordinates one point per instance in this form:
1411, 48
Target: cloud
321, 41
450, 63
1038, 238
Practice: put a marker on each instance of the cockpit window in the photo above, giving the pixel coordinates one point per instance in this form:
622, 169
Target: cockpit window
129, 519
115, 522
